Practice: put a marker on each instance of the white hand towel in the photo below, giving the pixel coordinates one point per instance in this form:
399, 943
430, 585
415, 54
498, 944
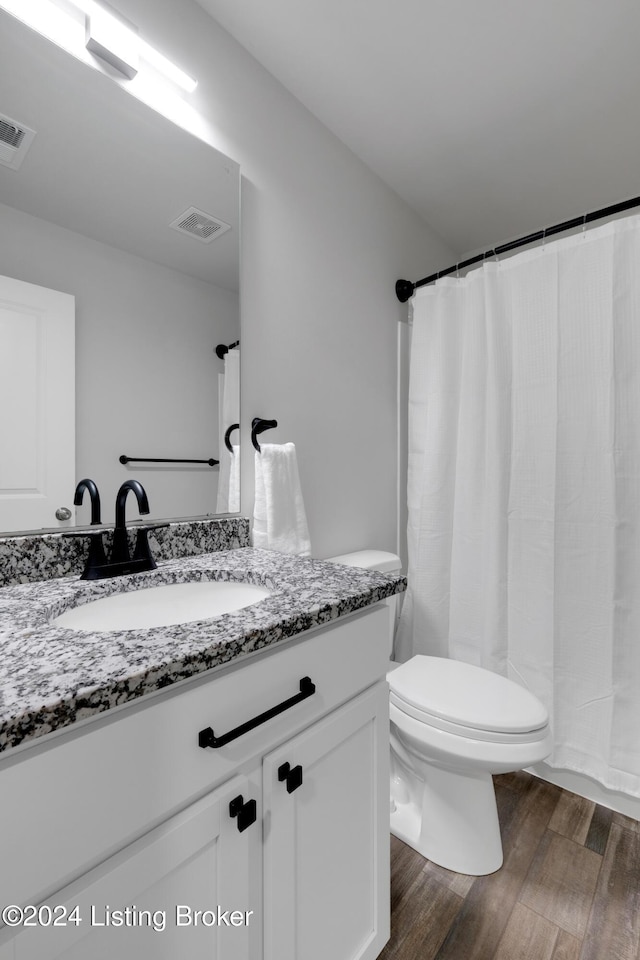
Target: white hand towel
279, 518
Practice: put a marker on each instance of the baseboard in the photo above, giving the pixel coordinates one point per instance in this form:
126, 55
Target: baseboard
590, 789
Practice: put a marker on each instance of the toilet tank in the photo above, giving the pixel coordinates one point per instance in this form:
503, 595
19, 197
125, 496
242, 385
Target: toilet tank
383, 562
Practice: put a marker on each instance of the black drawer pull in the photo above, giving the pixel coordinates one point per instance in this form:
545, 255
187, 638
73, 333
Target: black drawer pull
291, 776
207, 738
245, 812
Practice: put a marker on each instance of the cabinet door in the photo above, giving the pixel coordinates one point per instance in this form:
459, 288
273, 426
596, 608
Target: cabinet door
326, 856
144, 901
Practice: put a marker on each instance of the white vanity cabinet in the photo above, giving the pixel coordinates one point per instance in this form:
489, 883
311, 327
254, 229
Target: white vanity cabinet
274, 846
158, 897
326, 843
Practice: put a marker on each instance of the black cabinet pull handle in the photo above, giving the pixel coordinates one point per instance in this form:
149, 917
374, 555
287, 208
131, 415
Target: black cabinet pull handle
292, 776
207, 738
245, 812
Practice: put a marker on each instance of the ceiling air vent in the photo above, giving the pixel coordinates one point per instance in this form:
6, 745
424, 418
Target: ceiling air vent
200, 225
15, 140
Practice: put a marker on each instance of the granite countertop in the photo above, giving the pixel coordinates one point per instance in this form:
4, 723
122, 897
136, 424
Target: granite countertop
51, 676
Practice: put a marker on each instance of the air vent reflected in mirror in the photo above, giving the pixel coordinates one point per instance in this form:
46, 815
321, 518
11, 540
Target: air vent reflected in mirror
200, 225
15, 140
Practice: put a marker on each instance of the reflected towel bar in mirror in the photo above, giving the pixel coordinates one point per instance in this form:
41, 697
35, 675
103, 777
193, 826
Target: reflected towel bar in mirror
222, 348
125, 459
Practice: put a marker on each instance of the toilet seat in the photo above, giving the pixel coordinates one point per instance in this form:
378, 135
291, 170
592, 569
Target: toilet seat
466, 700
458, 730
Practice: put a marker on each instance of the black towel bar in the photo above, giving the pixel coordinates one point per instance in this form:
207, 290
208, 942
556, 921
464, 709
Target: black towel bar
125, 459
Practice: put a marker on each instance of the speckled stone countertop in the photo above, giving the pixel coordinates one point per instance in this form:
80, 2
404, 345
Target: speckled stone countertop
51, 677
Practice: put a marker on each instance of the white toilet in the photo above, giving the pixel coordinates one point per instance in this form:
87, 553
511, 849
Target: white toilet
453, 725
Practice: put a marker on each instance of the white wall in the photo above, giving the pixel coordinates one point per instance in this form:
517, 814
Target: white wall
323, 242
146, 370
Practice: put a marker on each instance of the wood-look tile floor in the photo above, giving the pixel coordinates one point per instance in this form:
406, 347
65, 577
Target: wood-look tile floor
569, 888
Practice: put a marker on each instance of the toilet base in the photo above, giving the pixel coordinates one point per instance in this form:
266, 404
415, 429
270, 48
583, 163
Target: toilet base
451, 819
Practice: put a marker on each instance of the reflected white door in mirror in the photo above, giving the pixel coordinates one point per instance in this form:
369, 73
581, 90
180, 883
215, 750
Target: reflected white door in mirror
37, 406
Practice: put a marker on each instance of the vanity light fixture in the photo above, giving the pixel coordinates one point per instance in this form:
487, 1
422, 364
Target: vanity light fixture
105, 26
168, 69
113, 39
108, 35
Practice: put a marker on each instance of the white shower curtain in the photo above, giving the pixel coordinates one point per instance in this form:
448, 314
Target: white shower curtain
524, 486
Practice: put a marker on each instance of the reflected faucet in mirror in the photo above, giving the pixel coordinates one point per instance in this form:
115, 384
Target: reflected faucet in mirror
94, 496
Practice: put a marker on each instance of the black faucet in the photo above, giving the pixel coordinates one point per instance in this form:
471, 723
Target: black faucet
92, 489
97, 566
120, 551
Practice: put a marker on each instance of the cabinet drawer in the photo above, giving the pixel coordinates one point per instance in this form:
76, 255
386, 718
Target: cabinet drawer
91, 793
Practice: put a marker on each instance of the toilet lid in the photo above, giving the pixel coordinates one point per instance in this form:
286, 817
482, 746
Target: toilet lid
466, 695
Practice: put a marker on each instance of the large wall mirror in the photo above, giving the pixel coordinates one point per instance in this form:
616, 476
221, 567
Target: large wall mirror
88, 214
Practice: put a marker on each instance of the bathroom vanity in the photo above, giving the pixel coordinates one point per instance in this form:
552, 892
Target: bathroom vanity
127, 828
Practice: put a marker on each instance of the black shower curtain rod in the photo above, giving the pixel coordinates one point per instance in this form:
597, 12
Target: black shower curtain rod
405, 288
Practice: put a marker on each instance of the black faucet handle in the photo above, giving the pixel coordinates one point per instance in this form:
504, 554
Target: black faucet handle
148, 527
143, 550
96, 558
143, 547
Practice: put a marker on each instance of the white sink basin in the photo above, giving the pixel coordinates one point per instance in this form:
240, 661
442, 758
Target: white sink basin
161, 606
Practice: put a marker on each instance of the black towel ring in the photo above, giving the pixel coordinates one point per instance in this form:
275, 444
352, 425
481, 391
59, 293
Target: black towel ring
258, 425
227, 436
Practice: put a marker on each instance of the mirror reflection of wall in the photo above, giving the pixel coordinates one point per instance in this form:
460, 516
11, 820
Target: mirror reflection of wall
146, 370
89, 215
